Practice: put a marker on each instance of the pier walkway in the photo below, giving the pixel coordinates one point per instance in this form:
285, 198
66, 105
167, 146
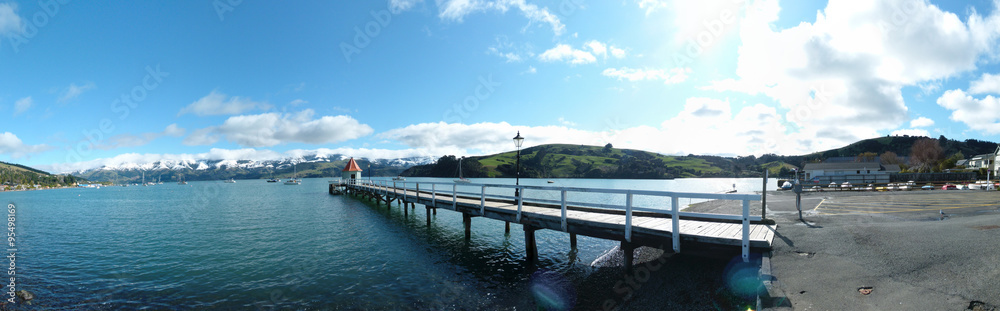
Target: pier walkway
619, 216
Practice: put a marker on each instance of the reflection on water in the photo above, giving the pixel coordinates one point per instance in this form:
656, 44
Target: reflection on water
254, 244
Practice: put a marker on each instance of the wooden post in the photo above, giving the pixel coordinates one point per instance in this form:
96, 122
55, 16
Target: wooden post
572, 240
629, 252
467, 220
530, 248
406, 212
763, 198
428, 216
506, 226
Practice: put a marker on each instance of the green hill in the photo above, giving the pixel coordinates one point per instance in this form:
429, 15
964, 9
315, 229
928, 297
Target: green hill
15, 175
575, 161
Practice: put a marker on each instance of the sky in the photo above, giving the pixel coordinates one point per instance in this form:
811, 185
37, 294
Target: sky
87, 84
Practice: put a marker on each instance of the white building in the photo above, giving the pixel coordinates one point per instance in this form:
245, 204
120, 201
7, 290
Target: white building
853, 172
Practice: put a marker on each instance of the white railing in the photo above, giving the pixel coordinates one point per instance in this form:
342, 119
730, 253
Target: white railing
386, 186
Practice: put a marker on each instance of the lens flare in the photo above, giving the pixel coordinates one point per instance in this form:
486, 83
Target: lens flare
552, 291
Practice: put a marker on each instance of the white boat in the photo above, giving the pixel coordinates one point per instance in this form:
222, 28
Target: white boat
399, 178
293, 180
786, 185
230, 181
461, 180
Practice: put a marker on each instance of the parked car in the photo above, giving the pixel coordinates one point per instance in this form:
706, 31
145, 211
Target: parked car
949, 187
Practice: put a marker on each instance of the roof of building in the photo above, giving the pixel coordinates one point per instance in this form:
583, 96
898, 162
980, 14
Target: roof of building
352, 166
892, 168
961, 162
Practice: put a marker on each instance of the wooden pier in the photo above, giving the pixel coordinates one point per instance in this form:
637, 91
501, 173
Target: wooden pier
632, 225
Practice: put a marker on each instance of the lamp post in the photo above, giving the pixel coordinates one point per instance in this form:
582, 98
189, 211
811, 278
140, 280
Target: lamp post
517, 143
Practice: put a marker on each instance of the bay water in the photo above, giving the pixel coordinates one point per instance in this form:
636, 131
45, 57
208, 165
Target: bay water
258, 245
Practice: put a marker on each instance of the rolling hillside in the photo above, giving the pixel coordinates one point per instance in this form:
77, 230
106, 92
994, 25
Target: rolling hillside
576, 161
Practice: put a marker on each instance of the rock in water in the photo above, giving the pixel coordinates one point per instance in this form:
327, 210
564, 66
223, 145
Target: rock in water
25, 295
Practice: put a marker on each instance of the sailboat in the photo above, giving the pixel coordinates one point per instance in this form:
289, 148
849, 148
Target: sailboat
461, 180
182, 182
272, 178
230, 181
293, 180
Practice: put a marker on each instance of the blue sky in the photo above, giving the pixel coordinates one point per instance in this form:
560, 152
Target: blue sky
83, 85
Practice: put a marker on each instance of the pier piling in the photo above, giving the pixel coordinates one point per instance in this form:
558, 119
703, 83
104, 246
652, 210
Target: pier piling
530, 248
629, 251
572, 241
467, 220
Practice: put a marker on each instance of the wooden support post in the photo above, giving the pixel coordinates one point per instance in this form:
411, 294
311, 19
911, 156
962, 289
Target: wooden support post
435, 211
530, 248
629, 252
467, 220
428, 216
506, 227
572, 240
406, 212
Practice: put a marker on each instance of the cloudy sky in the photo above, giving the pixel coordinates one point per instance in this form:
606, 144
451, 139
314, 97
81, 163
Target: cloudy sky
85, 84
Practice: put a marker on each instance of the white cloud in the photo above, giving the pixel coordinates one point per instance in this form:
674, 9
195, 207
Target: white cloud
456, 10
397, 6
841, 76
617, 53
129, 140
270, 129
597, 47
672, 76
921, 122
216, 103
201, 137
564, 52
979, 114
531, 70
297, 102
506, 50
73, 90
22, 105
10, 22
565, 122
652, 5
987, 84
15, 148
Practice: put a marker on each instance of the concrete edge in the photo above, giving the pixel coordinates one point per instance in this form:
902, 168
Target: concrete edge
765, 277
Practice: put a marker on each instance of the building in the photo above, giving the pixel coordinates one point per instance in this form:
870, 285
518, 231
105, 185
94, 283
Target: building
852, 172
981, 161
351, 170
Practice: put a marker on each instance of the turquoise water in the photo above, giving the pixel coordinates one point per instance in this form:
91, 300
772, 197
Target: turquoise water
252, 244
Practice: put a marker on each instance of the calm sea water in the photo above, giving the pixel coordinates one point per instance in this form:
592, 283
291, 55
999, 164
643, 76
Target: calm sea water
258, 245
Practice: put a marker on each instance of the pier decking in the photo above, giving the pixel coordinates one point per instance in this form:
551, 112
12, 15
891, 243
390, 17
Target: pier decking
634, 226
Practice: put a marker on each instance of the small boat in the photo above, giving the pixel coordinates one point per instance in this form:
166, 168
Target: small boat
461, 180
273, 180
293, 180
551, 182
230, 181
182, 182
399, 178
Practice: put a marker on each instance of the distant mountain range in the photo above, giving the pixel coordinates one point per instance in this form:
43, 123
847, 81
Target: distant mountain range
191, 170
545, 161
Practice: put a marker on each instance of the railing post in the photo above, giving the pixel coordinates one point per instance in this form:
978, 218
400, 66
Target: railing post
454, 197
564, 210
482, 202
418, 193
676, 221
628, 217
746, 230
520, 201
404, 191
433, 195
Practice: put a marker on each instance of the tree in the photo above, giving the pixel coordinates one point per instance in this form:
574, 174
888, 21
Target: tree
925, 154
608, 147
890, 157
866, 157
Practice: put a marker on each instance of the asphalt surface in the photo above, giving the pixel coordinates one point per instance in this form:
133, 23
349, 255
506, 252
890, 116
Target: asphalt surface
898, 244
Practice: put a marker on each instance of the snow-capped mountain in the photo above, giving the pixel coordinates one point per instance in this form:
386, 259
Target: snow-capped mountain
312, 165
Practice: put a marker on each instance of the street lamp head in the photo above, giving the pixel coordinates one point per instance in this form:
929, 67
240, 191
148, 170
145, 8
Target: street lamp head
518, 139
